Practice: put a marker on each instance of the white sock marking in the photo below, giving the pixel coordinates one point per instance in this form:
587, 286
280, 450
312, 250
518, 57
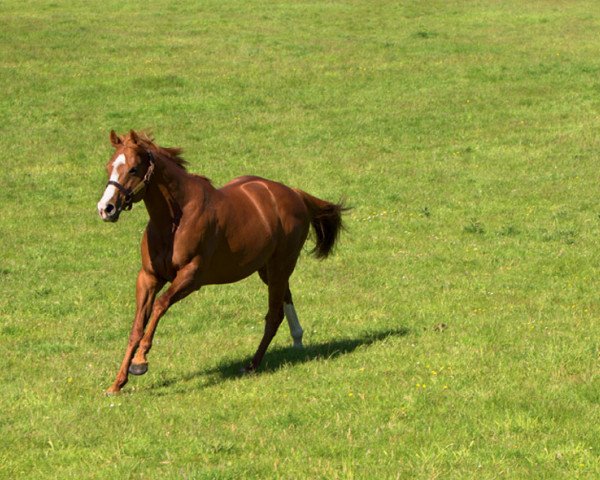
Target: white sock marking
294, 324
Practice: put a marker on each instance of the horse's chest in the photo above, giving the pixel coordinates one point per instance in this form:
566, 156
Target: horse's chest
175, 255
161, 250
162, 262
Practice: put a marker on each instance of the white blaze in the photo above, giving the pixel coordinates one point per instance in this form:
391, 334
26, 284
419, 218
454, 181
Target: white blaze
111, 189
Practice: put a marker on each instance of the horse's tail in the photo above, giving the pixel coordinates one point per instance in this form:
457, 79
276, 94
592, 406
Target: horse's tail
326, 219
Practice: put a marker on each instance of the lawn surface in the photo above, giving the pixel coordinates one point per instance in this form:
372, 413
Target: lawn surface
454, 334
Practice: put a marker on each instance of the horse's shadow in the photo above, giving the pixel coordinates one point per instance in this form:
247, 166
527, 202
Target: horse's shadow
279, 357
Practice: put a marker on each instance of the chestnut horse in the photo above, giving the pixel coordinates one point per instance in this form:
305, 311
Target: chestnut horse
200, 235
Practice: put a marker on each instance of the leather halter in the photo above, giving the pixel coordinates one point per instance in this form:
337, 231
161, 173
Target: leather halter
130, 193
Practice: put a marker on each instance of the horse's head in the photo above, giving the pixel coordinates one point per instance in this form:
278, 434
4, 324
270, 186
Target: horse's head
129, 169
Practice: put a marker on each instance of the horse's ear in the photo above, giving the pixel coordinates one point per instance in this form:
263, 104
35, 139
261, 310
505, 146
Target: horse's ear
115, 139
133, 136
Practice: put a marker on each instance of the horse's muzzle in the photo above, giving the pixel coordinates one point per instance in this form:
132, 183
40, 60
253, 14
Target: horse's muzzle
109, 212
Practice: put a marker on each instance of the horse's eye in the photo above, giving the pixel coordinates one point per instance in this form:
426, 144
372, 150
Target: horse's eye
133, 170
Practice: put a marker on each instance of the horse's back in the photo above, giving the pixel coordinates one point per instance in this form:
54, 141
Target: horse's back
235, 182
258, 220
267, 196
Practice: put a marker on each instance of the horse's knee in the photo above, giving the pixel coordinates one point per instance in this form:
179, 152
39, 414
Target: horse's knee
135, 337
160, 306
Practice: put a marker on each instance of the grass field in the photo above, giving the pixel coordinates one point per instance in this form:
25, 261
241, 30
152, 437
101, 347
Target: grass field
454, 334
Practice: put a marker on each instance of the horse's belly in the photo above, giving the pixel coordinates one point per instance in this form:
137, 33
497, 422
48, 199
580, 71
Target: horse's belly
223, 270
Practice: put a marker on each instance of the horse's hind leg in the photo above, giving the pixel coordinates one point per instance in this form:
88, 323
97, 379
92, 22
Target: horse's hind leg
277, 292
290, 312
292, 318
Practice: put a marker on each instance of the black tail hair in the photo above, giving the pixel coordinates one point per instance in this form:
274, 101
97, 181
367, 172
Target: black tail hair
326, 219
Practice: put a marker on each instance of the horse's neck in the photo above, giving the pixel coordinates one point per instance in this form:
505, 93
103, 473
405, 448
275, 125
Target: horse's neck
165, 198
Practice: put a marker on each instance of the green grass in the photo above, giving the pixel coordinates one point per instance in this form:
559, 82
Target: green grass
465, 136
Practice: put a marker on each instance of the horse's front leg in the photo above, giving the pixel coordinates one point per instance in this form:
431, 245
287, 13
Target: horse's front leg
185, 282
146, 287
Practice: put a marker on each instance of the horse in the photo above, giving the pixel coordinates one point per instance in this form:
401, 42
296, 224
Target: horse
200, 235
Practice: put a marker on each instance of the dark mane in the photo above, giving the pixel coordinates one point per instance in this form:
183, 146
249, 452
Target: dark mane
172, 154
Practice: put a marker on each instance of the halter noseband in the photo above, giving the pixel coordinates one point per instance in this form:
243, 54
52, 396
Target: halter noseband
130, 193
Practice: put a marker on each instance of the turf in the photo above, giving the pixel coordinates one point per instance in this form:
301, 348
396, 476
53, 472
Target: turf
455, 332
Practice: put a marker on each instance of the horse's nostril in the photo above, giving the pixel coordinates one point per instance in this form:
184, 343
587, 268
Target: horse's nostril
109, 208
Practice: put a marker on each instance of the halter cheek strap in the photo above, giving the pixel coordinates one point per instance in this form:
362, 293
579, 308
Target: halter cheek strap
131, 193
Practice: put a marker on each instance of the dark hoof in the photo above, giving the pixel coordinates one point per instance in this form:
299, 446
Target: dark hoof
138, 369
